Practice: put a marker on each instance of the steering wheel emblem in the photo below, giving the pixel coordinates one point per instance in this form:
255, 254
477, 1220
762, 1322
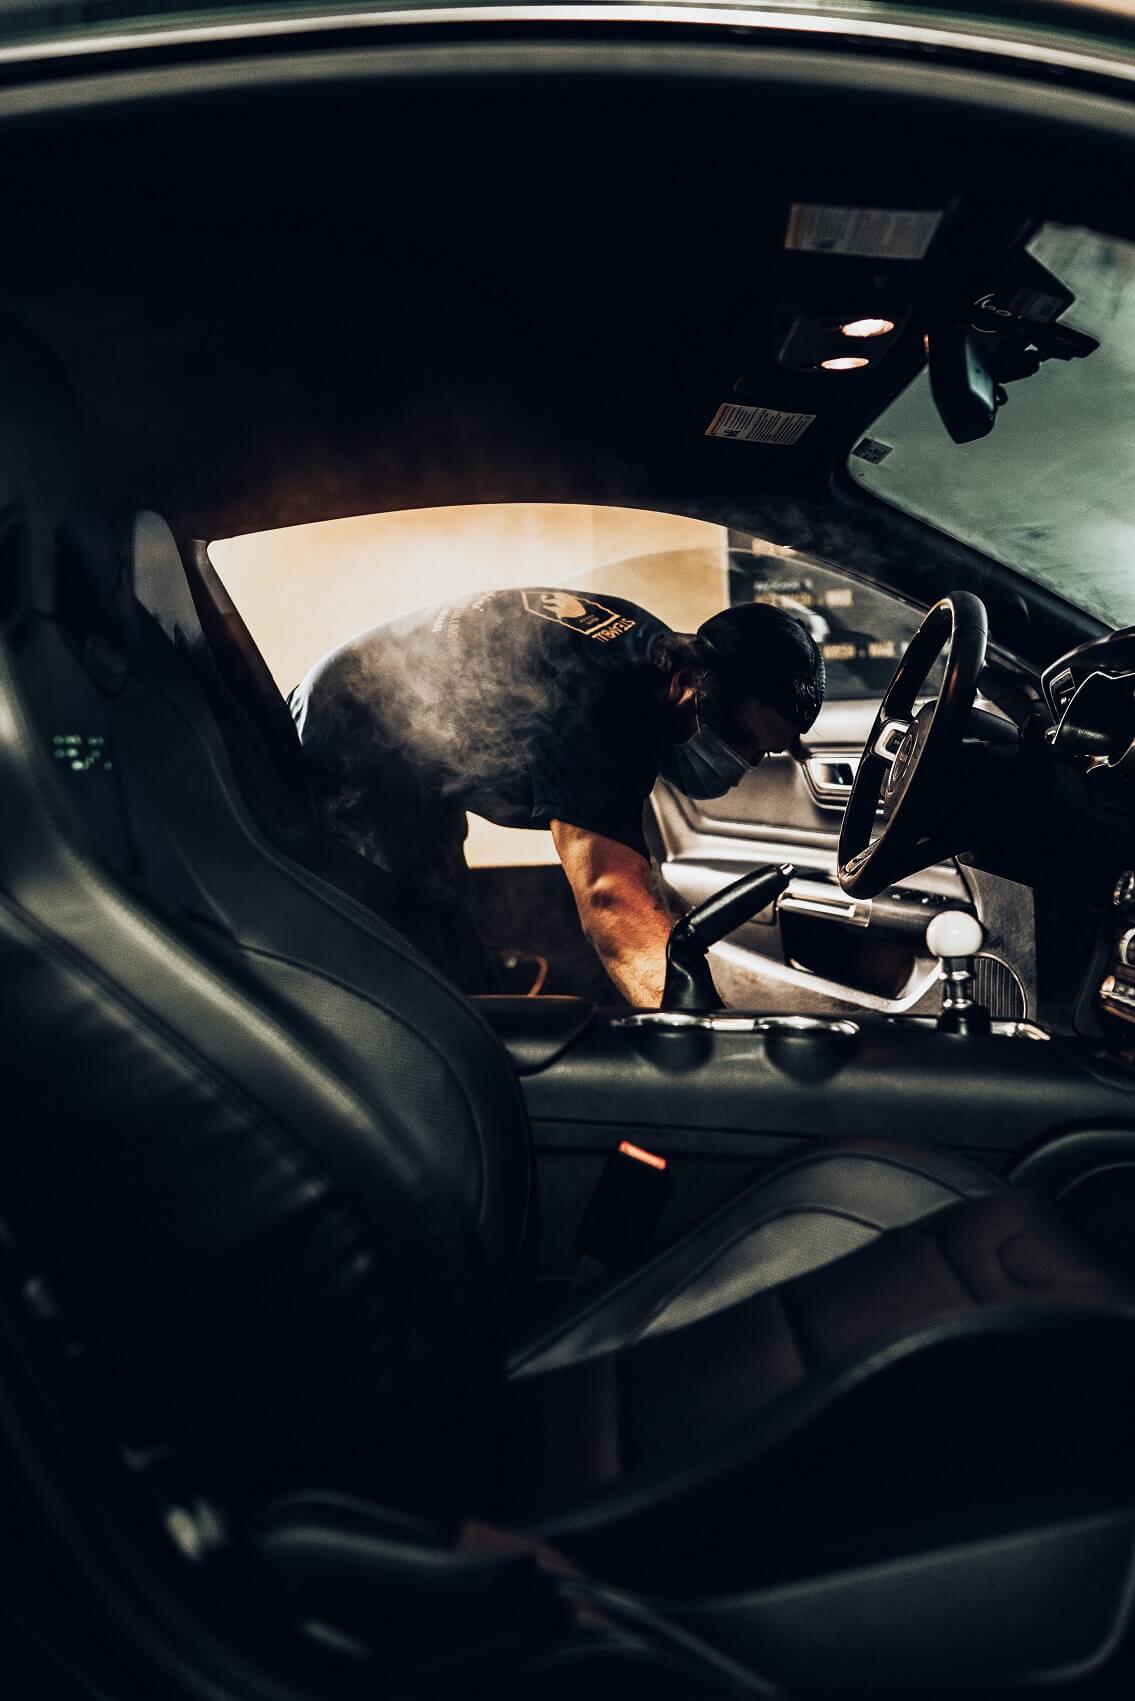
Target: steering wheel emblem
902, 759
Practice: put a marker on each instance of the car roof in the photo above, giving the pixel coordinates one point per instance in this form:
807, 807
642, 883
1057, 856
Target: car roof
534, 272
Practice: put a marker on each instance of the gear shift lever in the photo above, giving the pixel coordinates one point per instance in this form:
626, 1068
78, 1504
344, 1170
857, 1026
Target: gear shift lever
954, 938
689, 984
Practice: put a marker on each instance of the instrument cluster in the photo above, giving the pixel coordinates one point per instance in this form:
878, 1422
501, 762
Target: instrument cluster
1091, 693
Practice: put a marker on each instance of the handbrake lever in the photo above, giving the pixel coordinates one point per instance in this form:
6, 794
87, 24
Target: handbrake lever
689, 984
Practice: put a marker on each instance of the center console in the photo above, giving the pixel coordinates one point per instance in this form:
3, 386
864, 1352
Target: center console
716, 1095
741, 1083
1116, 992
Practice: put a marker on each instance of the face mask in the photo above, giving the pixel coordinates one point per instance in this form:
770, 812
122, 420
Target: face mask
704, 766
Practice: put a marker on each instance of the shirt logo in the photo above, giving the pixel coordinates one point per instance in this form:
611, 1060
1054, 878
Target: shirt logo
579, 614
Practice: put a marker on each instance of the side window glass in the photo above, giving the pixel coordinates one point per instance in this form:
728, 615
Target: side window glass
862, 632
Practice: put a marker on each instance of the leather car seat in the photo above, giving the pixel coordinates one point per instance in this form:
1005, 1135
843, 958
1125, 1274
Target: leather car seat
275, 1172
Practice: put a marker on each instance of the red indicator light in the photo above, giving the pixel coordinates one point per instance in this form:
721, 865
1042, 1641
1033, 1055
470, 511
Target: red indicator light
640, 1156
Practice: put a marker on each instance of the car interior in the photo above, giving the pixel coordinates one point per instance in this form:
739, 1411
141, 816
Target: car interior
359, 1338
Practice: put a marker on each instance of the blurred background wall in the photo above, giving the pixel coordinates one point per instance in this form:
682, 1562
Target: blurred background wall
306, 590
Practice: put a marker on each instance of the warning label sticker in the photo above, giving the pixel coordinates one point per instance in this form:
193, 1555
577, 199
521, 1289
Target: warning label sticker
872, 450
866, 233
758, 425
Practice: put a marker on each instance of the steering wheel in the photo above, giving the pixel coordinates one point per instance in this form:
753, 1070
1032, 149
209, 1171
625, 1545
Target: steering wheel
906, 761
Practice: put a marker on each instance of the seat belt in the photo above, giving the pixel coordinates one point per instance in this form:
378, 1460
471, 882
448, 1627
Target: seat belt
624, 1208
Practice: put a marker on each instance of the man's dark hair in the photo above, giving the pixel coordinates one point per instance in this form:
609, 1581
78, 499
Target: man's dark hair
754, 651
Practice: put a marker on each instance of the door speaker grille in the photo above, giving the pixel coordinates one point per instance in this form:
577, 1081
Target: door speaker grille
997, 987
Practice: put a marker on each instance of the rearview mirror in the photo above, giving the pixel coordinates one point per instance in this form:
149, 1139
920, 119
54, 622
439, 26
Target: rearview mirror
964, 390
1004, 336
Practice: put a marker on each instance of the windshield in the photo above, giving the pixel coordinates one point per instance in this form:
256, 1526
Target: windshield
1050, 491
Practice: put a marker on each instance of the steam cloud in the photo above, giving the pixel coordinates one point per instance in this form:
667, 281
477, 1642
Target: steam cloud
427, 716
396, 727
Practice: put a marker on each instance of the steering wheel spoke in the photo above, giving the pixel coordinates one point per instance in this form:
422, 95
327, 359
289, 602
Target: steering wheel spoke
908, 756
889, 737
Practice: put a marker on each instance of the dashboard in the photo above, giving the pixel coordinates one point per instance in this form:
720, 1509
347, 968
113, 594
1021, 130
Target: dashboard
1091, 695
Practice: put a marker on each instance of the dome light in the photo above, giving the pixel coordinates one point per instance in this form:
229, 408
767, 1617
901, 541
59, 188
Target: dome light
845, 363
868, 327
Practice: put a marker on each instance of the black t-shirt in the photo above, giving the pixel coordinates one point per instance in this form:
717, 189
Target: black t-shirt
525, 706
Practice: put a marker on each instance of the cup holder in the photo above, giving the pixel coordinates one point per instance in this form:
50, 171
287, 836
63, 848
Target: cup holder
733, 1022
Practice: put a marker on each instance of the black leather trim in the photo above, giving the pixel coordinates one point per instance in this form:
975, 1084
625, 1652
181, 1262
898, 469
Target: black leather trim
1101, 1331
387, 1009
817, 1187
318, 929
1065, 1160
130, 1051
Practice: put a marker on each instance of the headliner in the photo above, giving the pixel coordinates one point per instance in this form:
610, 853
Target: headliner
278, 309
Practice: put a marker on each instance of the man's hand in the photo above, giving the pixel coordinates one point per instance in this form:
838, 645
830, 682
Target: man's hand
618, 910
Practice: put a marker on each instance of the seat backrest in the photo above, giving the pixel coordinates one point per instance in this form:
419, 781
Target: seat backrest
271, 1255
183, 594
405, 1035
377, 998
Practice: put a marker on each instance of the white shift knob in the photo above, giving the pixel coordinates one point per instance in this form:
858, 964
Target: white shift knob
953, 933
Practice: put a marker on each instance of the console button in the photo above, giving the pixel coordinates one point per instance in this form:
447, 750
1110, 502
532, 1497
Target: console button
1123, 893
1119, 993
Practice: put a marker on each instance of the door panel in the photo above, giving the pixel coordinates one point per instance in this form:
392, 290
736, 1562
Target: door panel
816, 950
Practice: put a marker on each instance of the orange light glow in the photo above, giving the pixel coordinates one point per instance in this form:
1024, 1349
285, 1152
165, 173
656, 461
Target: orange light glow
845, 363
641, 1156
868, 327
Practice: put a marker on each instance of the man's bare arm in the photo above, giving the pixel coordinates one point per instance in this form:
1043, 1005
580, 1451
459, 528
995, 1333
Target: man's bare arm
618, 910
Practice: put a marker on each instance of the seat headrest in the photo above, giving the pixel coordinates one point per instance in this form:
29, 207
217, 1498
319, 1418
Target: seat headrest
159, 581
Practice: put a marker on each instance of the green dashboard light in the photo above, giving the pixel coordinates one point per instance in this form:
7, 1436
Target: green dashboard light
80, 751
